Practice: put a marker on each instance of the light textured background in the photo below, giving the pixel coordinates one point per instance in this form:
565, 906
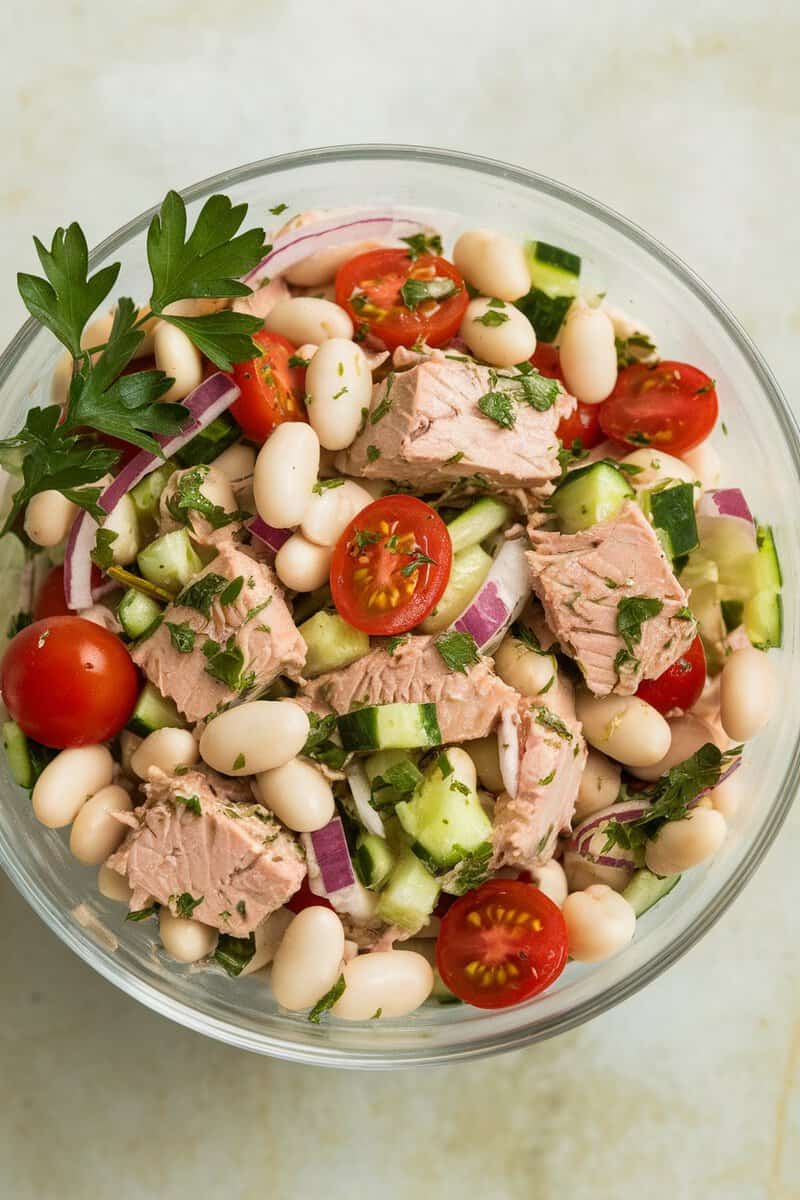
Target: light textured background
686, 117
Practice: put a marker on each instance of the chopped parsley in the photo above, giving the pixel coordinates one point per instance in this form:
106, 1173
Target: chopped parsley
454, 458
341, 392
226, 664
398, 640
278, 209
472, 871
492, 317
632, 612
103, 555
320, 746
188, 496
20, 620
191, 802
568, 455
499, 407
366, 537
684, 614
142, 914
624, 658
548, 778
373, 454
638, 438
627, 349
232, 591
422, 243
528, 638
419, 560
545, 716
386, 403
459, 650
325, 485
232, 953
185, 904
201, 594
457, 786
239, 761
241, 908
416, 291
327, 1001
297, 360
182, 636
398, 782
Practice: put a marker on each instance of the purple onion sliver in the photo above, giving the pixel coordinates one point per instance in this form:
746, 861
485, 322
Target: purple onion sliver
272, 538
333, 857
725, 502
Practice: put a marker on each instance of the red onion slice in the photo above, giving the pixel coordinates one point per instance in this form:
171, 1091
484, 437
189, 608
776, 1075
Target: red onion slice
508, 750
592, 828
331, 874
500, 598
725, 502
272, 538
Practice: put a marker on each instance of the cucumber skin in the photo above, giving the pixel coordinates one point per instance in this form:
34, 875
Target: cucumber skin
153, 711
139, 604
373, 861
170, 561
477, 522
15, 745
331, 643
604, 490
646, 889
410, 895
554, 256
360, 729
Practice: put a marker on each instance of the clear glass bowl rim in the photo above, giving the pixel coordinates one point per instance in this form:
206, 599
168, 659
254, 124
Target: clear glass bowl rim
328, 1054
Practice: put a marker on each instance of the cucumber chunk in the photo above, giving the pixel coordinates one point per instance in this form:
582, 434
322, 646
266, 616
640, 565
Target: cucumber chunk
331, 643
763, 619
154, 711
209, 443
390, 727
767, 575
671, 510
646, 889
410, 895
467, 573
147, 493
589, 495
477, 522
19, 762
170, 561
373, 861
137, 613
553, 270
445, 820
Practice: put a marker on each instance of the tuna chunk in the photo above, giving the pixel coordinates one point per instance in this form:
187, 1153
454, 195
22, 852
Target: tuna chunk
206, 654
583, 578
467, 705
428, 430
236, 859
552, 755
181, 488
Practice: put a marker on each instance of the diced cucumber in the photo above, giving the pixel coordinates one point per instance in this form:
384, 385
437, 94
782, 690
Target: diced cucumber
767, 576
589, 495
545, 313
410, 895
19, 762
646, 889
467, 573
331, 643
373, 861
763, 619
137, 613
170, 561
477, 522
209, 443
147, 493
154, 711
732, 613
390, 727
445, 820
553, 270
393, 776
671, 510
308, 603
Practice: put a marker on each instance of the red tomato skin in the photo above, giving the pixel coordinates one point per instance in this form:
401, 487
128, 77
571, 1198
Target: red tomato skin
539, 955
305, 898
67, 682
671, 404
50, 601
681, 685
547, 361
583, 423
265, 403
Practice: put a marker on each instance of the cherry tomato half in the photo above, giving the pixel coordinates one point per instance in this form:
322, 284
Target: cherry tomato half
50, 601
305, 898
272, 391
391, 565
547, 361
401, 300
670, 406
680, 685
67, 682
501, 944
581, 425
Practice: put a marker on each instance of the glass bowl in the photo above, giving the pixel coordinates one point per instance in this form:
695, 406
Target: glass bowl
760, 453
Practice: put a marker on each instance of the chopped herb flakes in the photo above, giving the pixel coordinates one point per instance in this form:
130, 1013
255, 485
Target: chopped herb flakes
419, 560
545, 716
416, 291
297, 360
386, 403
422, 243
327, 1001
232, 953
320, 746
231, 592
189, 496
190, 802
491, 317
182, 637
457, 786
103, 554
325, 485
226, 664
548, 778
684, 614
185, 904
454, 458
472, 871
373, 454
278, 209
499, 407
142, 914
201, 594
241, 909
459, 650
632, 612
239, 762
253, 613
396, 641
398, 782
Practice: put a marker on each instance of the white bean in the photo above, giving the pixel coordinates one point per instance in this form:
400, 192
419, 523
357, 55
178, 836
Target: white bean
285, 474
331, 509
48, 517
748, 693
497, 332
624, 728
599, 785
268, 936
463, 767
493, 263
113, 886
320, 268
237, 462
339, 387
705, 465
687, 735
298, 794
523, 669
68, 781
179, 358
309, 959
95, 832
302, 566
166, 749
255, 737
581, 873
390, 982
124, 522
202, 306
551, 879
185, 940
599, 923
61, 379
679, 845
484, 754
309, 319
655, 466
307, 351
588, 353
727, 797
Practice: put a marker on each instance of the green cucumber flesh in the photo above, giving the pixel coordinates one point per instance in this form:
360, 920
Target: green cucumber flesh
445, 819
390, 727
477, 522
646, 889
589, 495
545, 313
210, 442
467, 574
410, 895
331, 643
147, 492
553, 270
154, 711
373, 861
18, 757
137, 613
763, 619
170, 561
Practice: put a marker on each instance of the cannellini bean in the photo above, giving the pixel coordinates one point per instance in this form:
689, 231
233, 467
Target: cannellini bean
285, 474
124, 522
339, 387
392, 982
687, 735
184, 939
484, 754
320, 268
531, 674
627, 326
268, 936
599, 785
48, 517
331, 509
497, 332
237, 462
302, 566
581, 873
68, 781
95, 832
599, 923
179, 358
748, 693
203, 306
60, 379
309, 319
166, 749
113, 886
656, 466
624, 728
551, 879
679, 845
307, 351
588, 353
727, 797
493, 263
705, 465
463, 767
309, 959
254, 737
298, 794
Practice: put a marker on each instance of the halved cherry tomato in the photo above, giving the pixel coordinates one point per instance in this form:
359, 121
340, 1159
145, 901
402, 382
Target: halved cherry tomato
391, 565
581, 425
670, 406
50, 601
272, 391
501, 944
680, 685
305, 898
68, 682
401, 300
547, 361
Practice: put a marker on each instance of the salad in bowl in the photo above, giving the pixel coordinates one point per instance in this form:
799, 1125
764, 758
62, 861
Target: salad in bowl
386, 624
